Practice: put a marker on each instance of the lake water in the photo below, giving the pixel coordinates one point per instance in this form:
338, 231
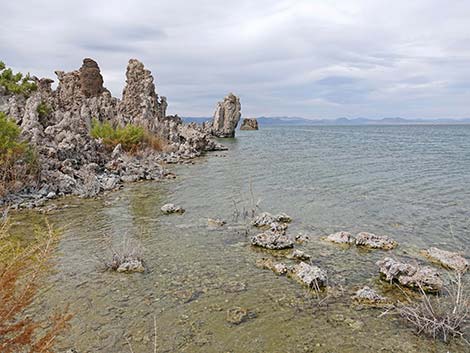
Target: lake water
409, 182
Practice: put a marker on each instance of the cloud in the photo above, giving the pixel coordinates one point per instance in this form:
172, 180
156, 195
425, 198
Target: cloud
318, 59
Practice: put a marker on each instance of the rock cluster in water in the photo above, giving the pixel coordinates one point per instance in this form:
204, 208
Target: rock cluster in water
72, 162
249, 124
365, 239
448, 259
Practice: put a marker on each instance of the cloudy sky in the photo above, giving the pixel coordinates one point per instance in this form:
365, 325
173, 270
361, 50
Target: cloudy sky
309, 58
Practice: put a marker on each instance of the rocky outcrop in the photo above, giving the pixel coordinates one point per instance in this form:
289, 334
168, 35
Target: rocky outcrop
341, 238
407, 275
311, 276
170, 208
278, 268
266, 219
272, 240
249, 124
370, 297
374, 241
58, 123
448, 259
226, 117
91, 81
140, 104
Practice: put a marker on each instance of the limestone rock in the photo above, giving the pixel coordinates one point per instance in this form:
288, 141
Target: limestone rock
311, 276
170, 208
140, 104
410, 276
237, 315
299, 255
369, 296
341, 238
374, 241
131, 266
91, 81
226, 117
215, 222
265, 219
266, 263
272, 240
249, 124
448, 259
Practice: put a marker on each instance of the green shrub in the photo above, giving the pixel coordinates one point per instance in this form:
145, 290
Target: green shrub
18, 160
130, 137
43, 109
16, 83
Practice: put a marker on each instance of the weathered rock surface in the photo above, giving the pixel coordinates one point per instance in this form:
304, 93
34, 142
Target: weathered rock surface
410, 276
215, 222
341, 238
238, 315
369, 296
311, 276
299, 255
448, 259
272, 240
374, 241
266, 219
226, 117
74, 163
249, 124
278, 268
170, 208
131, 266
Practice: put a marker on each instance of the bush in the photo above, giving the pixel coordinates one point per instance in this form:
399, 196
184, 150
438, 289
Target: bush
22, 271
16, 83
18, 160
131, 137
43, 109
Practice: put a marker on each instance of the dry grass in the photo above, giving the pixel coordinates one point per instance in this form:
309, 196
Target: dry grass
128, 251
22, 272
440, 316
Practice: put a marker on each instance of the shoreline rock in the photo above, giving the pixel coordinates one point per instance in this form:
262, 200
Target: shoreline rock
311, 276
341, 238
447, 259
171, 208
374, 241
410, 276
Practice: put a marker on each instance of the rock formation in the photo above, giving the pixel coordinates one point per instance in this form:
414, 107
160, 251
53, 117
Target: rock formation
341, 238
374, 241
74, 163
226, 117
448, 259
410, 276
311, 276
249, 124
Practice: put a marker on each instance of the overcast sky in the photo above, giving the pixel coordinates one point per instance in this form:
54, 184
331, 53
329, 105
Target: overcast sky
309, 58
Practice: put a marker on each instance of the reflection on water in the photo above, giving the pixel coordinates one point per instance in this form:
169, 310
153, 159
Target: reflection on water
408, 182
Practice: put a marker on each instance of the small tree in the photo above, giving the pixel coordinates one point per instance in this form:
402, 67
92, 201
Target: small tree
16, 83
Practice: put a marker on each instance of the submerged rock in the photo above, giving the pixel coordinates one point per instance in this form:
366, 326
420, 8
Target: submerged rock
238, 315
302, 238
226, 117
132, 265
215, 222
374, 241
265, 219
170, 208
312, 276
369, 296
272, 240
278, 268
249, 124
299, 255
410, 276
341, 238
451, 260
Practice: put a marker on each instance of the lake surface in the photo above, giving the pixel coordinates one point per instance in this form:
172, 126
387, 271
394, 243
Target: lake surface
409, 182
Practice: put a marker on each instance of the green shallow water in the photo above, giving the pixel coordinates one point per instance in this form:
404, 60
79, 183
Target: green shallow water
409, 182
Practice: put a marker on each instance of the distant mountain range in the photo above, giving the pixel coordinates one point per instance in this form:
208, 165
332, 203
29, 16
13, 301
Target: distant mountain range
344, 121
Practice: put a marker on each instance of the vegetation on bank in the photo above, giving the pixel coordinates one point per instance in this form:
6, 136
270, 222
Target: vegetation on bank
132, 138
23, 269
16, 83
19, 165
